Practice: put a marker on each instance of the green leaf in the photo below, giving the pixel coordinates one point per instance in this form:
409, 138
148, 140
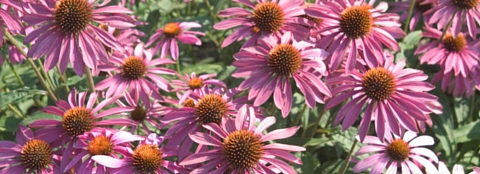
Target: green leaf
310, 163
317, 141
467, 132
17, 95
442, 126
220, 6
412, 39
9, 123
462, 109
346, 139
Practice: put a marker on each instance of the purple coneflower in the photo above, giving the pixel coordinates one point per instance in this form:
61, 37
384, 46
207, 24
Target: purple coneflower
354, 24
239, 146
77, 118
205, 106
268, 18
168, 35
131, 71
192, 83
140, 109
270, 66
65, 32
30, 154
148, 157
397, 153
394, 97
11, 22
99, 142
418, 13
457, 11
128, 37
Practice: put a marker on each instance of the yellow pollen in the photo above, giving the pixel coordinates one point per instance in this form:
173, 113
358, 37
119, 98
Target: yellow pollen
147, 158
172, 29
454, 44
100, 145
36, 154
210, 109
378, 84
356, 21
189, 103
242, 149
77, 120
465, 4
398, 150
284, 60
268, 17
72, 16
195, 83
138, 114
133, 68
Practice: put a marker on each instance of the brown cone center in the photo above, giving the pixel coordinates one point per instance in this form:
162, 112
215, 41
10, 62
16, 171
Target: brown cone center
378, 84
268, 17
77, 120
242, 149
72, 16
356, 21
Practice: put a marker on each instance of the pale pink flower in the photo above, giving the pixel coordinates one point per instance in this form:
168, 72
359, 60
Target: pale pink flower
394, 97
273, 63
131, 70
462, 12
168, 35
65, 31
397, 153
268, 18
148, 157
355, 24
241, 147
190, 84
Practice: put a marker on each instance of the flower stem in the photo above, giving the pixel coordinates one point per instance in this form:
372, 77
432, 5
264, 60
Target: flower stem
47, 78
315, 126
30, 61
63, 77
299, 115
471, 107
19, 79
410, 11
177, 65
15, 110
91, 84
347, 161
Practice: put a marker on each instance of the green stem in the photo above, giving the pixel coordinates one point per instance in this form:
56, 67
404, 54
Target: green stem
47, 78
63, 77
16, 111
445, 29
315, 126
471, 107
19, 79
347, 161
299, 115
177, 65
410, 11
18, 45
210, 11
91, 84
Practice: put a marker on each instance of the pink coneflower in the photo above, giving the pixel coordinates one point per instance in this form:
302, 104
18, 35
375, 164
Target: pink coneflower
452, 52
128, 37
205, 106
458, 85
14, 55
462, 12
131, 71
30, 154
239, 146
397, 152
65, 32
353, 25
192, 83
442, 169
145, 112
11, 22
99, 142
418, 13
270, 65
168, 35
77, 118
268, 18
394, 97
148, 157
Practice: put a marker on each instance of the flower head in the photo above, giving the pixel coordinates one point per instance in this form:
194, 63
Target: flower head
148, 157
268, 18
397, 152
239, 146
30, 154
193, 83
353, 25
100, 142
458, 12
132, 71
168, 35
270, 66
394, 97
66, 32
